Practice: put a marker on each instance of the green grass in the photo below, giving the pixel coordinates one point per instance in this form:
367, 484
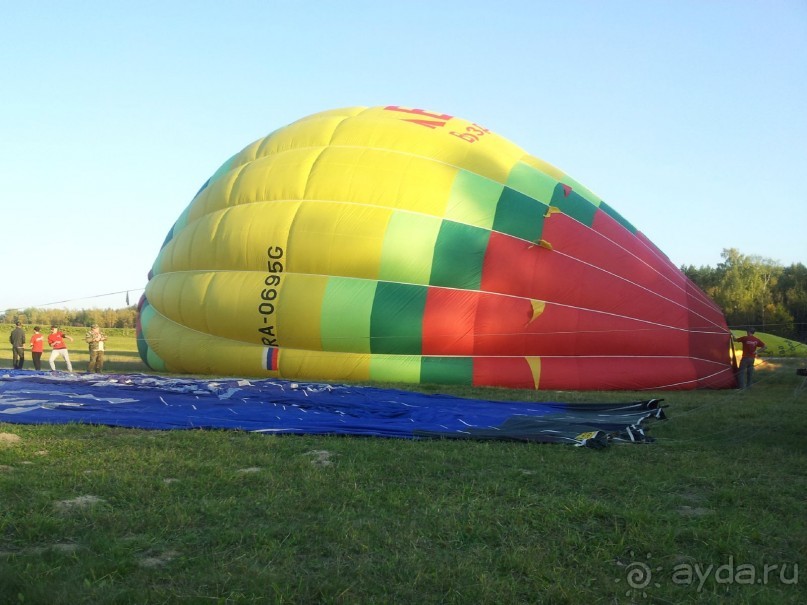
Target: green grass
233, 517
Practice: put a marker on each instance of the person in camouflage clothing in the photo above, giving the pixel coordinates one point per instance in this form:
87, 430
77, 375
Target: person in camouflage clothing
95, 339
17, 340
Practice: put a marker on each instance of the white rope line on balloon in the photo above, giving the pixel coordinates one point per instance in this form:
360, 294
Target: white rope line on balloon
657, 254
202, 336
482, 292
683, 307
657, 326
299, 342
691, 329
697, 292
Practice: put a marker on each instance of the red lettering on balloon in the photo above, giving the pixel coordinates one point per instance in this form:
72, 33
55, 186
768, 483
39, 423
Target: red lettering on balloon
420, 112
439, 120
471, 135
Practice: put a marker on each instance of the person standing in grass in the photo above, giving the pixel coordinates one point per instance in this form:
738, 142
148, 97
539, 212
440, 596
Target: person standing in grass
95, 339
751, 346
17, 340
37, 346
56, 341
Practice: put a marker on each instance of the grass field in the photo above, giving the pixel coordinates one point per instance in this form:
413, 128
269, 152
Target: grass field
713, 512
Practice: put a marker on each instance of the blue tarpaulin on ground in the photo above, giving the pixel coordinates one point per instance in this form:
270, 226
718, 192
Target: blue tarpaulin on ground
280, 406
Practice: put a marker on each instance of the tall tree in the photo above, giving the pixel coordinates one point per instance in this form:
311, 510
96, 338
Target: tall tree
745, 289
792, 291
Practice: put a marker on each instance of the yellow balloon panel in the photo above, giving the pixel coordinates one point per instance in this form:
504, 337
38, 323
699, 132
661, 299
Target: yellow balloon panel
301, 312
327, 239
214, 196
315, 131
248, 154
185, 350
449, 139
382, 178
225, 304
277, 177
338, 239
322, 365
235, 238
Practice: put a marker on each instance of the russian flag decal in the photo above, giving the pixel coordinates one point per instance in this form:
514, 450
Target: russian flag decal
270, 358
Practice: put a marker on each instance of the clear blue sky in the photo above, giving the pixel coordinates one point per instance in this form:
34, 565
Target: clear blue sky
688, 117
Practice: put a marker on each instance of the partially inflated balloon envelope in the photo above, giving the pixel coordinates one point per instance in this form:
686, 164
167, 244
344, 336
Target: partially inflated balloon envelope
402, 245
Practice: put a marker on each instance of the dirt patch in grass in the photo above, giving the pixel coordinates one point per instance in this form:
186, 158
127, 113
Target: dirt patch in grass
159, 560
9, 439
62, 547
320, 457
81, 502
694, 511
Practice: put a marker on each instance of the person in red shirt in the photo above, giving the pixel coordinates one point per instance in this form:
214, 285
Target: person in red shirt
37, 346
751, 346
56, 340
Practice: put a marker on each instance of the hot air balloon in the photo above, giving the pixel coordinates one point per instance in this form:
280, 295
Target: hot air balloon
402, 245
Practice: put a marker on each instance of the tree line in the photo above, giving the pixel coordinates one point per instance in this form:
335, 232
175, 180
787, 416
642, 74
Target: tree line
64, 318
751, 290
757, 292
